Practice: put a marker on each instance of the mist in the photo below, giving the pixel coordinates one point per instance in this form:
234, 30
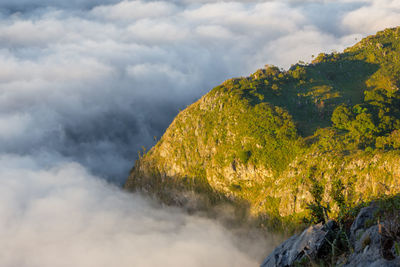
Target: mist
84, 85
63, 216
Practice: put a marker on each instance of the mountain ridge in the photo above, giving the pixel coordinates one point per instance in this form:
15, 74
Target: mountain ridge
287, 145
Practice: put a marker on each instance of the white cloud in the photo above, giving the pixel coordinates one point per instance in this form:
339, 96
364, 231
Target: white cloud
64, 216
133, 10
157, 32
373, 17
215, 32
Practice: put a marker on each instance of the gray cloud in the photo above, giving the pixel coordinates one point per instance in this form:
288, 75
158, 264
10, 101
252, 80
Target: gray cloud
85, 84
28, 5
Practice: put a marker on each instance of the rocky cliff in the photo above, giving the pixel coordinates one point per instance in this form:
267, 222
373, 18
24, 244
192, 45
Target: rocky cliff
288, 145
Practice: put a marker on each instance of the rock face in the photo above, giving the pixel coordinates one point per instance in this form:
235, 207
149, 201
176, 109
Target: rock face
365, 215
368, 250
268, 141
369, 245
368, 242
308, 245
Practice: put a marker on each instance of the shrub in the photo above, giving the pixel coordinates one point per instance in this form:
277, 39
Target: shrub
244, 156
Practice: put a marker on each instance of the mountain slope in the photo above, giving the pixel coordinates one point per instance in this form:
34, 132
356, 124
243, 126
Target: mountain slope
287, 144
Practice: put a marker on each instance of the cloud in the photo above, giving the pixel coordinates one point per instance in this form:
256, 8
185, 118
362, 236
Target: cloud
28, 5
133, 10
63, 216
380, 14
85, 84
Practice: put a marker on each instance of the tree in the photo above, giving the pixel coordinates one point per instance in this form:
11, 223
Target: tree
342, 117
363, 129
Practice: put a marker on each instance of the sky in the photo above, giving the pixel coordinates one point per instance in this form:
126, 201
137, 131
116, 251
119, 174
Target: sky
85, 84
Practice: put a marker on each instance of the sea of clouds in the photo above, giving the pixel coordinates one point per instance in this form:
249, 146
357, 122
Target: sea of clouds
84, 84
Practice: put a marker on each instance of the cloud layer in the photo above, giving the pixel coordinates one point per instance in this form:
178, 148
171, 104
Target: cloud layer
67, 217
85, 84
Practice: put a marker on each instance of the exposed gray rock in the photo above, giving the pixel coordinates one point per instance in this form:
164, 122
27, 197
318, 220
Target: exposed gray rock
364, 262
367, 241
369, 238
370, 244
360, 223
379, 263
367, 249
308, 244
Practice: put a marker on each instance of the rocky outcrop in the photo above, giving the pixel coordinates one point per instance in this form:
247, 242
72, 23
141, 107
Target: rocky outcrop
311, 244
370, 244
368, 250
364, 217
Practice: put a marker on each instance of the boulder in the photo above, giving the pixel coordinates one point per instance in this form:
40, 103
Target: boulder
307, 245
365, 215
370, 244
367, 249
367, 241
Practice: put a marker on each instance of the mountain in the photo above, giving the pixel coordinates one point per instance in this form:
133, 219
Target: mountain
287, 146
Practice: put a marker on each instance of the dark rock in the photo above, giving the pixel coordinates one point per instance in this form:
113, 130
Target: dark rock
377, 263
368, 249
365, 215
370, 244
308, 244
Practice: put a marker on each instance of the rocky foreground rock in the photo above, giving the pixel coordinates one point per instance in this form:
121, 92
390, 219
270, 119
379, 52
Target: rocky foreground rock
308, 244
368, 244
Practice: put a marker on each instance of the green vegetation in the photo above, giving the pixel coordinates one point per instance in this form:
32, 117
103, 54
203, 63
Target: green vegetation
291, 147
